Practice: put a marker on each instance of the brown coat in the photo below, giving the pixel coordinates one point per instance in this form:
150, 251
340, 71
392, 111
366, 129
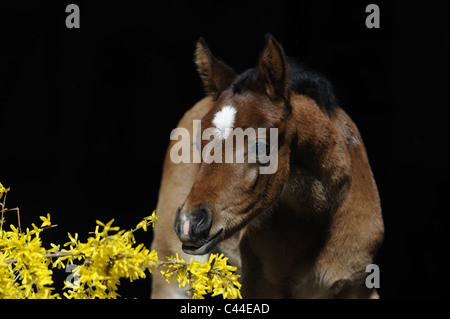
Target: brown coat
307, 231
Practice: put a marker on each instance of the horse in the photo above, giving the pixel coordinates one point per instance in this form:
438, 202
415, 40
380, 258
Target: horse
307, 230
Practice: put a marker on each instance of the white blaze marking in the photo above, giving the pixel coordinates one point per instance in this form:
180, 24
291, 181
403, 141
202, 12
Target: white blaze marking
224, 121
186, 228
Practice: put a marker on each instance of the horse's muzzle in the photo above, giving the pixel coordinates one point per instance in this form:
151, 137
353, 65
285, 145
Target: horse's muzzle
192, 228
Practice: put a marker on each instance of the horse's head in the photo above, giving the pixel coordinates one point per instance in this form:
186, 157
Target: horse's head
239, 177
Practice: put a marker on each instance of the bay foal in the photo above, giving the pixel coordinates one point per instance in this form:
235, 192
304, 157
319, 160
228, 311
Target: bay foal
310, 229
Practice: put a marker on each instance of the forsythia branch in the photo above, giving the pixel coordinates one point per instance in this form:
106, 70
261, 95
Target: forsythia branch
108, 255
50, 255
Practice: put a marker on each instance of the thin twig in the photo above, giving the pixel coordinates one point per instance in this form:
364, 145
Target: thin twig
18, 219
4, 210
49, 255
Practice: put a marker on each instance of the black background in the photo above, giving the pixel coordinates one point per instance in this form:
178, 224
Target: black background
85, 114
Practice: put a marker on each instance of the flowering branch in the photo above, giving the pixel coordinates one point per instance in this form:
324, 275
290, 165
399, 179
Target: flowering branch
49, 255
108, 255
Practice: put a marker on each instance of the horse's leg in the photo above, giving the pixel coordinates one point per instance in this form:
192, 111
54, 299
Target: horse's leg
254, 283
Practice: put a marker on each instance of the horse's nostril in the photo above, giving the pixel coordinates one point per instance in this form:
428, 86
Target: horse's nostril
201, 221
203, 214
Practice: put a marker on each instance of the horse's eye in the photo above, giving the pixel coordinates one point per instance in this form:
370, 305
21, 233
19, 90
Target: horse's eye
265, 148
262, 149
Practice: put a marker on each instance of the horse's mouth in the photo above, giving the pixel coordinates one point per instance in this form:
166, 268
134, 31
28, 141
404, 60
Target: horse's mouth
205, 247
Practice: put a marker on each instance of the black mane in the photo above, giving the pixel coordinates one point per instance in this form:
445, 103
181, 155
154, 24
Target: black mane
302, 80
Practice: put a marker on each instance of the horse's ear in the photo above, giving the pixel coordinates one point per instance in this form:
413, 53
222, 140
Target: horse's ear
273, 69
215, 74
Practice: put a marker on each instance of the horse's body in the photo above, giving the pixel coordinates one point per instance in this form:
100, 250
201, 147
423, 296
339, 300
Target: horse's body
307, 231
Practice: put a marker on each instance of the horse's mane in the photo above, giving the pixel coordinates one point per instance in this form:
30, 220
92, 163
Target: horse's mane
302, 80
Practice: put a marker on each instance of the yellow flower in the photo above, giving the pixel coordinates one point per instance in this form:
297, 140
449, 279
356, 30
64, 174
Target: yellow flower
142, 224
153, 218
107, 227
107, 256
73, 240
2, 190
147, 221
46, 221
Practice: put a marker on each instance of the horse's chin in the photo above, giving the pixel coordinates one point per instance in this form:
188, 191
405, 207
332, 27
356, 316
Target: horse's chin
206, 247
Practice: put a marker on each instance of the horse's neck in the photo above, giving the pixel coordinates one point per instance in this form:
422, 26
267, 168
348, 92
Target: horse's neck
320, 166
